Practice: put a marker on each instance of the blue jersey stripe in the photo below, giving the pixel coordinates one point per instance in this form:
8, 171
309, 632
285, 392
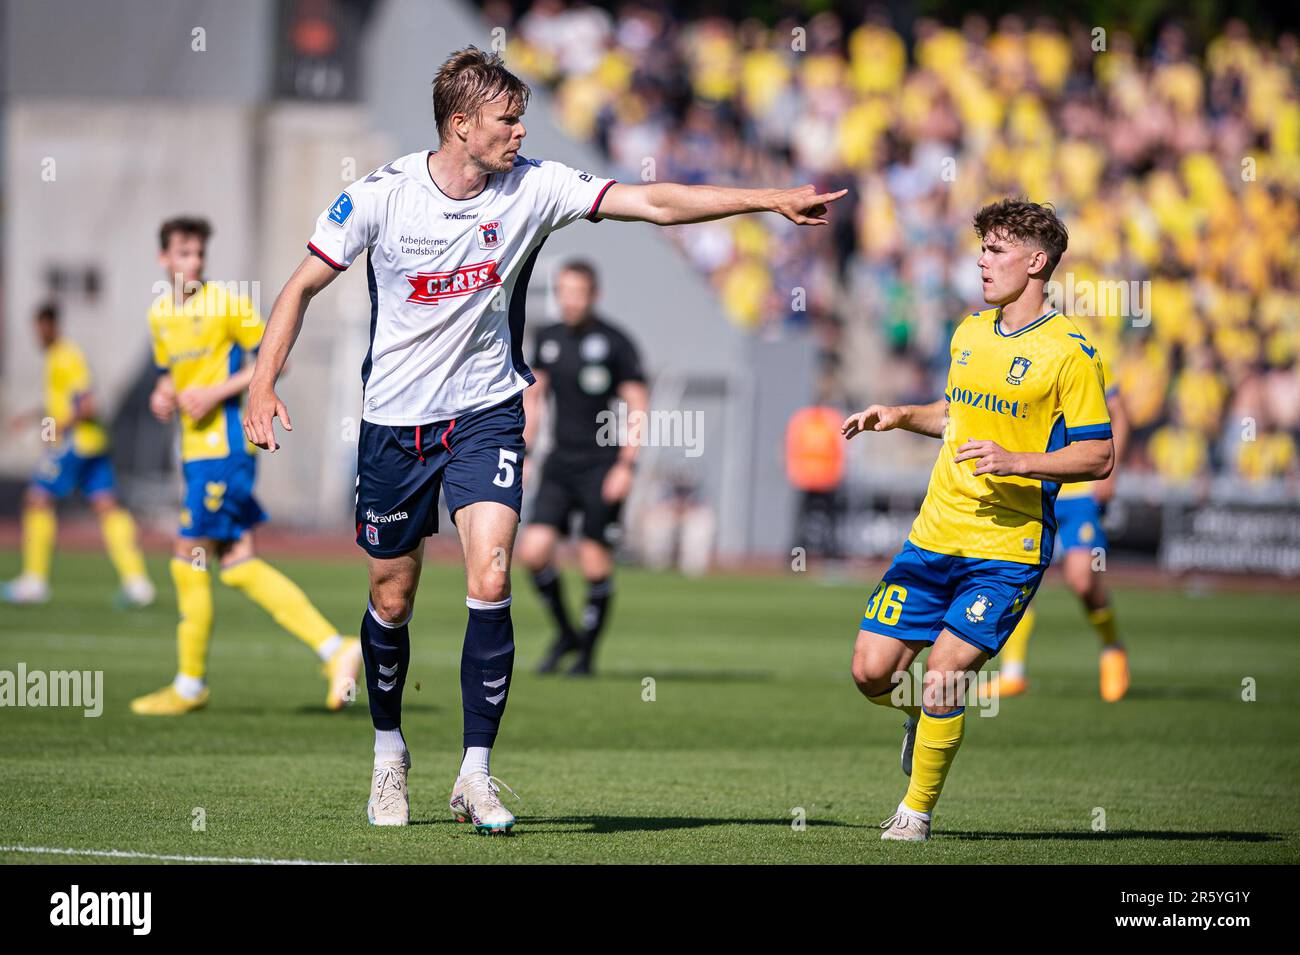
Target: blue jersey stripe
1091, 432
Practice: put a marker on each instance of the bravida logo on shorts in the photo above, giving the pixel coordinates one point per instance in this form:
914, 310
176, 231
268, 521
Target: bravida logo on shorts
430, 288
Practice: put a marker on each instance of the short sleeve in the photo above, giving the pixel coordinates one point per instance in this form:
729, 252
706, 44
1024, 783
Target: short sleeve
161, 360
245, 324
347, 227
1083, 394
570, 195
627, 362
75, 372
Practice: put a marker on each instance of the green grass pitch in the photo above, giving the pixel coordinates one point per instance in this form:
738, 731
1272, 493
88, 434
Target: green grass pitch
754, 719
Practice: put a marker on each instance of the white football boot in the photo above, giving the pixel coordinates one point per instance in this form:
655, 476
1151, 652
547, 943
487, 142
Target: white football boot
136, 593
905, 827
390, 801
27, 590
909, 744
475, 798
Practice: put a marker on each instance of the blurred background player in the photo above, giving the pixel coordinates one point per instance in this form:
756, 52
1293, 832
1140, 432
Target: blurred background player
1082, 540
586, 363
77, 460
201, 333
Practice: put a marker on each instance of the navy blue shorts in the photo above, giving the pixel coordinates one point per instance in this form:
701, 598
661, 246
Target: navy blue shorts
400, 470
219, 501
924, 593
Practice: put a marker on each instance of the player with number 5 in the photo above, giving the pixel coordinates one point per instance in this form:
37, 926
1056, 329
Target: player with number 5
450, 238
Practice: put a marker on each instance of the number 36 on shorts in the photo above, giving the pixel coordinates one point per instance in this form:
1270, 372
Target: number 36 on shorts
886, 604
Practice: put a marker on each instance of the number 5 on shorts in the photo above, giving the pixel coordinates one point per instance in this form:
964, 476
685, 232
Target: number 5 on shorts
887, 601
506, 465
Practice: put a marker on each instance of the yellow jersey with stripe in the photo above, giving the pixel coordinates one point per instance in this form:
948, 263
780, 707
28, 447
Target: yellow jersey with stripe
67, 379
203, 343
1073, 489
1036, 389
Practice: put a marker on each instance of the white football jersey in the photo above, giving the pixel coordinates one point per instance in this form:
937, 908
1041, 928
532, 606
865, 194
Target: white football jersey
448, 279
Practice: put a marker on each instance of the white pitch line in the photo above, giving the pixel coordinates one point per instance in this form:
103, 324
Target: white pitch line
124, 854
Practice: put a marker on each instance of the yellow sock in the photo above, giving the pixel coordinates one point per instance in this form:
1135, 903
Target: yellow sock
1103, 621
119, 540
937, 740
1012, 657
281, 598
887, 699
194, 599
39, 529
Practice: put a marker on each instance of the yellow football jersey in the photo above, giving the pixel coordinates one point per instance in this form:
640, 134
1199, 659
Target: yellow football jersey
67, 378
202, 343
1037, 389
1084, 488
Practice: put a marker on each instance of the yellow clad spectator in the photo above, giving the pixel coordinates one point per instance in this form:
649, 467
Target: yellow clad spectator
1051, 58
861, 129
1179, 454
878, 58
764, 75
746, 291
1269, 456
1143, 382
1200, 393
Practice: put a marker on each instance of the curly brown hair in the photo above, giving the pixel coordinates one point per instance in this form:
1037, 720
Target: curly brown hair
1026, 222
471, 78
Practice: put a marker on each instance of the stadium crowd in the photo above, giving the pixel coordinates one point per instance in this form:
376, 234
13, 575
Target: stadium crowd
1176, 170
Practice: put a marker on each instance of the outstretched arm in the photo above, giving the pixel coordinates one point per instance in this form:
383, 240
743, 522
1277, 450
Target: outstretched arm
919, 419
282, 329
670, 203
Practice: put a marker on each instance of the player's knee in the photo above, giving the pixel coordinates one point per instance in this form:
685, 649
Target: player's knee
1079, 578
490, 586
392, 607
869, 676
36, 500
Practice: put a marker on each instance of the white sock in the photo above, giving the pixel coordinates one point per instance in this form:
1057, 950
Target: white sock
476, 760
389, 744
912, 812
188, 686
329, 647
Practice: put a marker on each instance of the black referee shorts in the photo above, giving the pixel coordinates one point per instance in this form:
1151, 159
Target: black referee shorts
571, 485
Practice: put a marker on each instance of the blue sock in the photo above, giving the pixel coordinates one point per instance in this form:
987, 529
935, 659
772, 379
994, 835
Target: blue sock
486, 663
386, 649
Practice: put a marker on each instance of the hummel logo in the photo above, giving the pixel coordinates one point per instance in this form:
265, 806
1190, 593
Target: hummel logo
493, 684
387, 671
1087, 349
496, 700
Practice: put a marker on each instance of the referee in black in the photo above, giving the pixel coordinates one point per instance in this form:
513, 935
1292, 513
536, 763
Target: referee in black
586, 363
